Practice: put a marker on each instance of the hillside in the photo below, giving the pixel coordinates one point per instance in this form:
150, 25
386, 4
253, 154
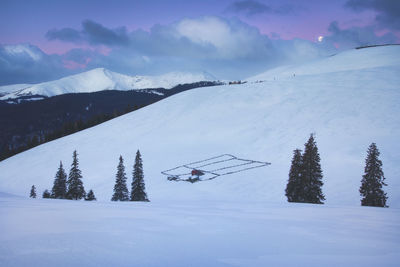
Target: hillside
241, 219
30, 121
347, 108
99, 79
355, 59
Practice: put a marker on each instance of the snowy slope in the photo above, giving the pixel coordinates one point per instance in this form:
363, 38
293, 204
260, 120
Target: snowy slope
102, 79
8, 89
241, 219
355, 59
348, 110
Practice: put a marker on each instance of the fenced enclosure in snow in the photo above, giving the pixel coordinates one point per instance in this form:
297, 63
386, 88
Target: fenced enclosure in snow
212, 168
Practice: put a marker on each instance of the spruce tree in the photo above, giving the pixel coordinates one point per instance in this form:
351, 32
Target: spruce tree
373, 180
46, 194
33, 192
90, 196
294, 192
312, 174
120, 188
60, 184
138, 192
75, 185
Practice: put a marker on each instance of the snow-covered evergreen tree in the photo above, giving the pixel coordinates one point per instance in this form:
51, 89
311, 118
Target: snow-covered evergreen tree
373, 180
59, 189
90, 196
312, 174
75, 184
138, 192
33, 192
120, 188
46, 194
294, 188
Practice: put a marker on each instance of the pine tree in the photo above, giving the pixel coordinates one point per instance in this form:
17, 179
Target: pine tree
75, 185
60, 184
138, 192
120, 188
312, 174
373, 180
33, 192
90, 196
46, 194
294, 192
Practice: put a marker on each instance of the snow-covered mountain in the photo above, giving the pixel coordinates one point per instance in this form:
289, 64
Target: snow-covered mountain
347, 108
101, 79
241, 219
9, 89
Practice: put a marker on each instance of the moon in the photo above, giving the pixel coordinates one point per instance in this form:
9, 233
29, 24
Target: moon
320, 38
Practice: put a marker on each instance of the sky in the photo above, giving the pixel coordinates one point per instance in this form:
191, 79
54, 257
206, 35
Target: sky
44, 40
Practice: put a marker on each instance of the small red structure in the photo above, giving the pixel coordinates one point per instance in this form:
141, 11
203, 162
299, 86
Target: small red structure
197, 173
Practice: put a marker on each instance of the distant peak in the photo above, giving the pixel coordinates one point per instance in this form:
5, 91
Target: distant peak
102, 71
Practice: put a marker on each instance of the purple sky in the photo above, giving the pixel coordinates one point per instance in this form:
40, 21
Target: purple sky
46, 39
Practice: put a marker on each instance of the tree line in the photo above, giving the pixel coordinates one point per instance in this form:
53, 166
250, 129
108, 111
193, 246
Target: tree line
67, 128
72, 188
304, 184
62, 115
305, 177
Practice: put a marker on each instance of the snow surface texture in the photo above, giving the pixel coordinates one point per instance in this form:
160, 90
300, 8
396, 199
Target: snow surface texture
101, 79
71, 233
241, 219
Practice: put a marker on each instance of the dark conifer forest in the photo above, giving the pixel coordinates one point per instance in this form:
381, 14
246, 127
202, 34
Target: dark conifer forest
26, 124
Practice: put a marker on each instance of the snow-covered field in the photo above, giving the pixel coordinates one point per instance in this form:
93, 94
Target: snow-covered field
98, 80
234, 220
68, 233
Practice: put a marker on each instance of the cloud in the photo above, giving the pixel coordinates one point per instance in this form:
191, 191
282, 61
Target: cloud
388, 11
92, 33
79, 56
66, 35
98, 34
205, 37
228, 39
251, 8
226, 48
24, 63
356, 36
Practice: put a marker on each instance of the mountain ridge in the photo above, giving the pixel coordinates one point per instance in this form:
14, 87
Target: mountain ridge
100, 79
